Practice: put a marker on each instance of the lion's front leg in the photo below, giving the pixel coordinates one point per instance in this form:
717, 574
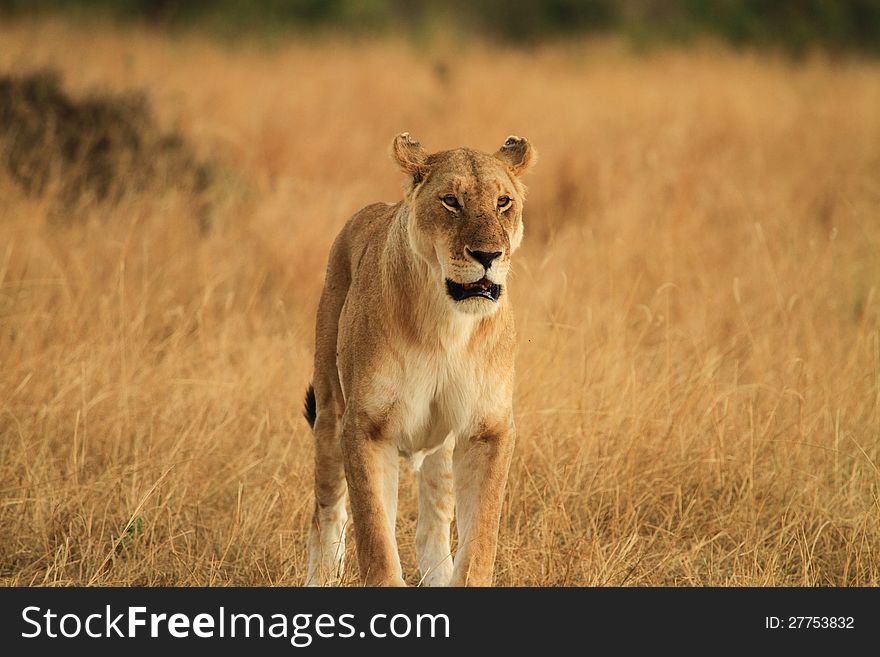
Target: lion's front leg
436, 507
371, 469
480, 466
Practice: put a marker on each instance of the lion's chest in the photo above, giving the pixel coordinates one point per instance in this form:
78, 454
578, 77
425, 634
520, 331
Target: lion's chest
426, 399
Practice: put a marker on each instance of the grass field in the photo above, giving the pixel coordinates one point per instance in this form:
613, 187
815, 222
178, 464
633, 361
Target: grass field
698, 396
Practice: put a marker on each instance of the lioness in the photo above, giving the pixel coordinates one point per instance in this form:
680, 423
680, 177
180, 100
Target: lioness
414, 355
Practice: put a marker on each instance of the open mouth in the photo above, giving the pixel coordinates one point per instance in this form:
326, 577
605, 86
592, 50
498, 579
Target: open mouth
481, 288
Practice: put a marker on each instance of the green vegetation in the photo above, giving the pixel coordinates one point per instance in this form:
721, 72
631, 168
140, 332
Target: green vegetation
795, 25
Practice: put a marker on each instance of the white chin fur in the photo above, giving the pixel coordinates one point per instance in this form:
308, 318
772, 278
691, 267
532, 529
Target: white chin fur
476, 306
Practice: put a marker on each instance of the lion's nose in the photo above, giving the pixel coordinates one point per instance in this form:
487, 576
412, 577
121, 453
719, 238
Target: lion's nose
485, 258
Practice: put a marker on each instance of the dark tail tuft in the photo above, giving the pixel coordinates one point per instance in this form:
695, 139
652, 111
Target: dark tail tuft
310, 410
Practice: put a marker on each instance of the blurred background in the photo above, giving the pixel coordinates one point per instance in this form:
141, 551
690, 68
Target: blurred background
697, 303
795, 25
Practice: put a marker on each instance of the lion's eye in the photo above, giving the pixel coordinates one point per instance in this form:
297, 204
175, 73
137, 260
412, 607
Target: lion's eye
503, 202
450, 201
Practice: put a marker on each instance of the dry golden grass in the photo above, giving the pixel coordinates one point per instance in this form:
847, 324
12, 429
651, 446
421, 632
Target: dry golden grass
698, 398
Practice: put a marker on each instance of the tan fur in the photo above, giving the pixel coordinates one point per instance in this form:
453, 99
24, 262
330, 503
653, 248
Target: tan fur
401, 368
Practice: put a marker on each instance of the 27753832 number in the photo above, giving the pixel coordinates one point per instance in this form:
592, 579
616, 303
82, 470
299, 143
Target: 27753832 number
809, 622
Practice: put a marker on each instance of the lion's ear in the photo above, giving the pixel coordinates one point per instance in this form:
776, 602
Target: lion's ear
518, 154
410, 156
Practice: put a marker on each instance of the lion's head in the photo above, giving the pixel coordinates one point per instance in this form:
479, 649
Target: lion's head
465, 217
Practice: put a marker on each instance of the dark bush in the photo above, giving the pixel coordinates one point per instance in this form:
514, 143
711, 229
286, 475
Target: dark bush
98, 147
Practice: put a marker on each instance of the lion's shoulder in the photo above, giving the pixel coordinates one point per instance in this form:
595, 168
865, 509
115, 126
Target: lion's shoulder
370, 220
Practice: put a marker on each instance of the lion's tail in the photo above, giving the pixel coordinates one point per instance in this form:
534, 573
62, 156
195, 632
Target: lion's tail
310, 408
